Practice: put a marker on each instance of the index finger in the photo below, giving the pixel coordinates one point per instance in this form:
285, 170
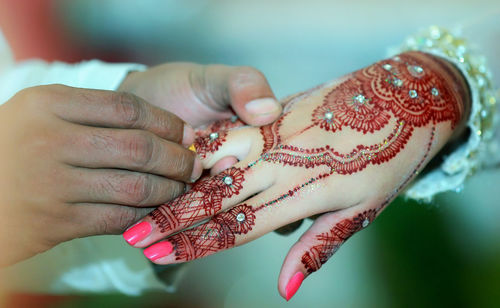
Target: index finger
118, 110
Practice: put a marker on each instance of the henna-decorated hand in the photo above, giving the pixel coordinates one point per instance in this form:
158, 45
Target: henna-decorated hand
201, 94
345, 149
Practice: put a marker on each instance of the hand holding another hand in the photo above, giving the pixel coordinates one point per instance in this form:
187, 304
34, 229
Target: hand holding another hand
79, 162
344, 149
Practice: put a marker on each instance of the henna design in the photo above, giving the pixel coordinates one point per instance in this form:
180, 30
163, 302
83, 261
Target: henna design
332, 240
217, 234
404, 90
209, 144
221, 125
348, 163
347, 106
411, 93
203, 200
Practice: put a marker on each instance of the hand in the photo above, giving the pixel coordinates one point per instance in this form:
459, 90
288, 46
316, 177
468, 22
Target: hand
77, 162
201, 94
344, 149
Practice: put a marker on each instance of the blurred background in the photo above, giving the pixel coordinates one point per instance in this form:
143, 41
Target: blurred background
442, 254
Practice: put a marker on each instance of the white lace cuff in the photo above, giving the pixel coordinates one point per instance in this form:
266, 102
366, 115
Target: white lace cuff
471, 155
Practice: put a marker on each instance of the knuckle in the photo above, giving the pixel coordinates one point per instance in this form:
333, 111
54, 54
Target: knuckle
140, 149
126, 217
128, 108
183, 164
38, 97
176, 190
32, 97
116, 221
138, 189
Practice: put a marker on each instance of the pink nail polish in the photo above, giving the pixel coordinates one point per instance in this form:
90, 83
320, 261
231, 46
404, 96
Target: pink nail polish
137, 233
293, 285
158, 250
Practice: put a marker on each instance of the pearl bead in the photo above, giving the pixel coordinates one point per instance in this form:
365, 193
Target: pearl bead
227, 180
398, 82
214, 136
241, 217
415, 70
329, 115
365, 223
387, 66
360, 98
413, 94
435, 92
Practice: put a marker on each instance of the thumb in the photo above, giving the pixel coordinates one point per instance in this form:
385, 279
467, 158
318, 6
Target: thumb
242, 88
319, 243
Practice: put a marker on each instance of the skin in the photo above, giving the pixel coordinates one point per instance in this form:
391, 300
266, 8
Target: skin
332, 153
78, 162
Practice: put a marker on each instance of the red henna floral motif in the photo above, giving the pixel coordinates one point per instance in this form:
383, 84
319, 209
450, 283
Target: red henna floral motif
209, 144
351, 108
418, 97
245, 219
203, 200
324, 117
229, 182
332, 240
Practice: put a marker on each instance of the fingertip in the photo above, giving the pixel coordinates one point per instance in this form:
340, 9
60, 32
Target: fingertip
197, 169
188, 135
263, 110
262, 106
223, 164
158, 251
293, 285
137, 233
252, 98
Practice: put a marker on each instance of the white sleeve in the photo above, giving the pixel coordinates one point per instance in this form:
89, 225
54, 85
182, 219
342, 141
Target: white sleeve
92, 264
91, 74
473, 51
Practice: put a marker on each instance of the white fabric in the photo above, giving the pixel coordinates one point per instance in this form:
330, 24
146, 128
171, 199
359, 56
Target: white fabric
93, 264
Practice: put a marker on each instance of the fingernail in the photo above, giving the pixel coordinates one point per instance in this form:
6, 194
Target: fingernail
137, 233
188, 135
197, 169
158, 250
263, 106
293, 285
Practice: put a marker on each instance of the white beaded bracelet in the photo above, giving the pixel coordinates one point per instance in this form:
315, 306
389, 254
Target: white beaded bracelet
464, 161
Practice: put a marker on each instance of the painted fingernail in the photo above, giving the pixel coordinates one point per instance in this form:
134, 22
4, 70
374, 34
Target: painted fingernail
263, 106
188, 135
158, 250
293, 285
137, 233
197, 169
